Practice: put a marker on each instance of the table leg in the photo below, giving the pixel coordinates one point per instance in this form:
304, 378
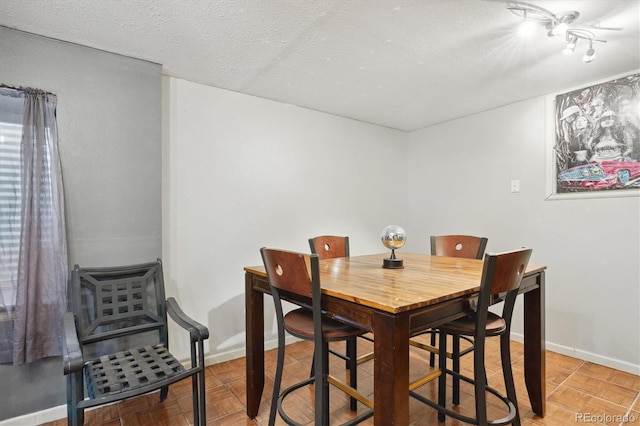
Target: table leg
534, 347
391, 369
254, 311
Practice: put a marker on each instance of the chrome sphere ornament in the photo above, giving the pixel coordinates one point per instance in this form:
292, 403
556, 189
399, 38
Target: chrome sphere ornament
393, 237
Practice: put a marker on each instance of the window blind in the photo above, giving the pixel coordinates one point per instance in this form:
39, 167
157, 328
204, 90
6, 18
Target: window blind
10, 196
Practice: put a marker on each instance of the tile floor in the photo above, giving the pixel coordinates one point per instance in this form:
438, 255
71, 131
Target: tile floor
577, 392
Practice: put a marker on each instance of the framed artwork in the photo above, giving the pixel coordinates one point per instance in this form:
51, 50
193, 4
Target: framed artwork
594, 140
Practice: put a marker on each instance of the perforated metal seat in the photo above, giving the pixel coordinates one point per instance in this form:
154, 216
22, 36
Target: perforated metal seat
128, 370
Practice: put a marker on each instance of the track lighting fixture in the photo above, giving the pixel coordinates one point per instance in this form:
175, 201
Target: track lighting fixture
571, 44
557, 25
590, 54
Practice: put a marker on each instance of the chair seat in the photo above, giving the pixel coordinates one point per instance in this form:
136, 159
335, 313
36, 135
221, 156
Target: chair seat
300, 323
129, 370
466, 325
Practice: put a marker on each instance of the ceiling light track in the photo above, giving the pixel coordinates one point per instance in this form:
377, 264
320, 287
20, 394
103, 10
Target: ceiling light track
557, 25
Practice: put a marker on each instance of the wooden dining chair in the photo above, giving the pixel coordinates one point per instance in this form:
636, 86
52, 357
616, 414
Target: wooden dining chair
330, 247
501, 278
464, 246
297, 276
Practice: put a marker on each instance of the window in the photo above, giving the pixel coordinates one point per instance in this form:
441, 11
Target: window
11, 111
33, 250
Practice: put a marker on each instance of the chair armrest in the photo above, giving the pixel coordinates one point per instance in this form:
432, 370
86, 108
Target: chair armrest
72, 359
196, 330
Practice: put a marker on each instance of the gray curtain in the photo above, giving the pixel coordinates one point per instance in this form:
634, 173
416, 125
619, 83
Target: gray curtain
40, 290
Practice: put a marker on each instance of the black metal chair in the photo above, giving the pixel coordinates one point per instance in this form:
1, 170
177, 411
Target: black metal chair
331, 247
501, 278
464, 246
295, 277
116, 339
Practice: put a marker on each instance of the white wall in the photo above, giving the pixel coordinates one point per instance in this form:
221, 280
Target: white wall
244, 172
459, 182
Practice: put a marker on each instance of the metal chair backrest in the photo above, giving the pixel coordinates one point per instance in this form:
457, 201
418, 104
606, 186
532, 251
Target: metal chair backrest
467, 246
329, 246
117, 308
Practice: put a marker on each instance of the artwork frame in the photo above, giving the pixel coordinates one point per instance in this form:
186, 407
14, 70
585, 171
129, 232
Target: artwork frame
593, 139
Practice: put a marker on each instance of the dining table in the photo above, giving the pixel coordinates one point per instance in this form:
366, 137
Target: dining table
397, 304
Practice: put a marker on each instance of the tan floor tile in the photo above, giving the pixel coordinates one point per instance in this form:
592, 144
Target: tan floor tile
606, 390
238, 418
221, 403
586, 406
574, 388
611, 375
562, 361
556, 415
102, 415
230, 370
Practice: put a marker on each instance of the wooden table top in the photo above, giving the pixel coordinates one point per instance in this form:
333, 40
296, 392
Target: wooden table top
425, 280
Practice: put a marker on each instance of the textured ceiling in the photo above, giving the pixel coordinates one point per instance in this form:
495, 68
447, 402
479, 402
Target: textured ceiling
405, 64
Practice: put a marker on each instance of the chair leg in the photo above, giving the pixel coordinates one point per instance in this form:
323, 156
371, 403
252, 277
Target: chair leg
442, 380
456, 368
505, 355
195, 401
432, 356
75, 394
202, 397
164, 392
352, 353
312, 372
322, 406
353, 370
277, 381
480, 379
351, 357
70, 403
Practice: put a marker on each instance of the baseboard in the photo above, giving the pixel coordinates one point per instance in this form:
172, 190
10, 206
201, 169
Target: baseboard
37, 418
587, 356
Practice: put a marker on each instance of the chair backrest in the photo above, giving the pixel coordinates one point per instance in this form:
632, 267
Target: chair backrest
119, 308
288, 271
329, 246
502, 273
298, 275
467, 246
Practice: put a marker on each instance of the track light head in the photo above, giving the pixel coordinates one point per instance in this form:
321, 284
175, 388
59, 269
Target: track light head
571, 45
589, 55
